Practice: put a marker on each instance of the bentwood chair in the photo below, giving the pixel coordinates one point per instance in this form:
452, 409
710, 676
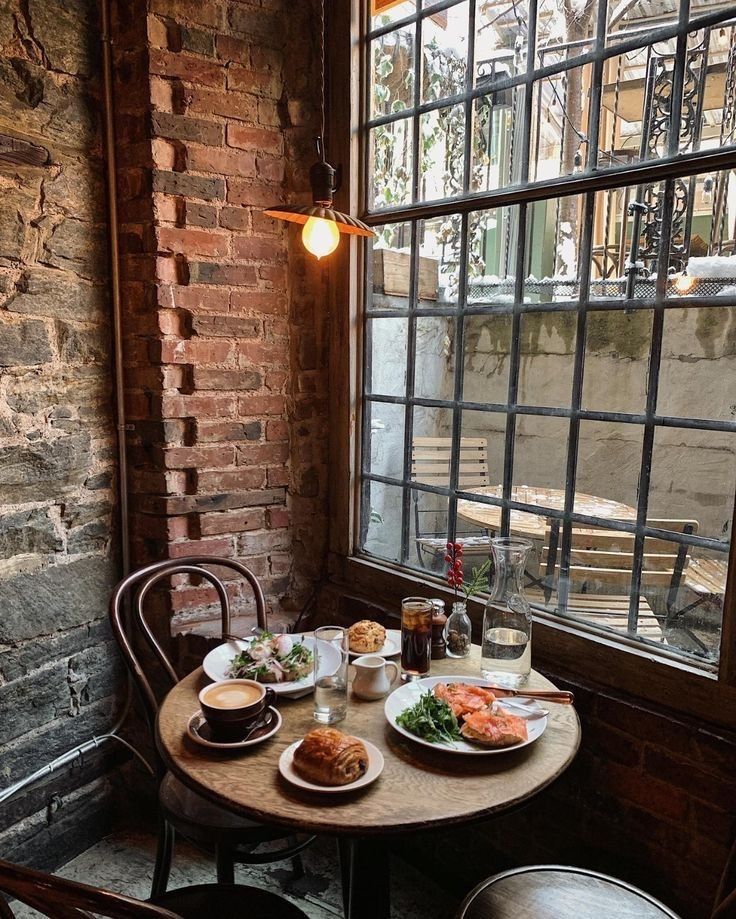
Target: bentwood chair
62, 899
234, 838
558, 892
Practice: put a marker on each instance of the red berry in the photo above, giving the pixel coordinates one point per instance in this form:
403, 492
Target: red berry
448, 558
460, 579
449, 545
458, 566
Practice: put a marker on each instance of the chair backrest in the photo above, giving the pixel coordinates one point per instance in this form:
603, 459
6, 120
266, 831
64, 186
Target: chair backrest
602, 558
62, 899
430, 461
138, 585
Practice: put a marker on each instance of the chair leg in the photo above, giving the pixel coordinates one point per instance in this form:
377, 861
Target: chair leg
164, 853
297, 866
225, 864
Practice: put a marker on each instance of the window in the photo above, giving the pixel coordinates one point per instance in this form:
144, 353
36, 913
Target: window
550, 303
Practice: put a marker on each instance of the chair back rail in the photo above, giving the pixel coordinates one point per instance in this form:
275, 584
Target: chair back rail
138, 585
63, 899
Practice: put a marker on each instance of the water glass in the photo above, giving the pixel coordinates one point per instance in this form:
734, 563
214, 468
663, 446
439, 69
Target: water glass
416, 638
330, 674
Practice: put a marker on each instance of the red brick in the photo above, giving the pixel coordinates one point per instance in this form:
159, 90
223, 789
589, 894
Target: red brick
244, 79
202, 298
260, 352
241, 135
186, 67
277, 477
276, 429
253, 194
699, 782
194, 351
193, 242
645, 791
230, 521
196, 457
222, 547
225, 380
165, 528
216, 326
225, 104
277, 517
275, 274
214, 273
260, 542
186, 128
211, 13
270, 169
259, 301
213, 431
232, 49
186, 598
262, 454
240, 479
198, 405
268, 112
261, 405
220, 160
235, 218
251, 247
263, 58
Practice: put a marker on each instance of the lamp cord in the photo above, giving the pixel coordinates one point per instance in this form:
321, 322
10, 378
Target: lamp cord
321, 139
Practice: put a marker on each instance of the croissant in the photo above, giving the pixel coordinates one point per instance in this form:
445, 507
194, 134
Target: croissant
329, 757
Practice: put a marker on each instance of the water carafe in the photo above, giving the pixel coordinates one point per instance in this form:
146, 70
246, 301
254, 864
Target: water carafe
506, 652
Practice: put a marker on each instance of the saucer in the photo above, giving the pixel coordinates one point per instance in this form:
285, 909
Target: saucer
200, 732
375, 767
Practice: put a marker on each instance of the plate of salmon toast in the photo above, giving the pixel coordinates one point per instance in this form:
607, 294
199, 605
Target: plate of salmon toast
459, 714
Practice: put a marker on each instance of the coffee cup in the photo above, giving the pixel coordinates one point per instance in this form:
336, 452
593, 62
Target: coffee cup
233, 707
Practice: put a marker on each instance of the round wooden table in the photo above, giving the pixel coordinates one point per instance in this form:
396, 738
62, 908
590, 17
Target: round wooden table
522, 523
419, 788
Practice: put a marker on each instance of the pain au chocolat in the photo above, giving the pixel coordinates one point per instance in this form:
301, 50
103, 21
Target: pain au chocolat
326, 756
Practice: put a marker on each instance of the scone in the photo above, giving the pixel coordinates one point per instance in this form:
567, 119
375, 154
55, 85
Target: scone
365, 636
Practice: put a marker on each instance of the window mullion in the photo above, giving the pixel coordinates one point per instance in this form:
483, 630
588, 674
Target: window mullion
411, 335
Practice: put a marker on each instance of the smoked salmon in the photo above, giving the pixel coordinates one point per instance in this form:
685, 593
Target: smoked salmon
494, 730
464, 698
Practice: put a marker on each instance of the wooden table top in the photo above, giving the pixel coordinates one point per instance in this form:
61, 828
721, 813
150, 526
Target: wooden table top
527, 524
419, 788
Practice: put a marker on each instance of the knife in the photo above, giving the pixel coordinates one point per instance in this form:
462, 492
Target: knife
561, 696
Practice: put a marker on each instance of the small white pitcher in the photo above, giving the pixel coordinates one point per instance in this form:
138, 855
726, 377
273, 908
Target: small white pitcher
371, 680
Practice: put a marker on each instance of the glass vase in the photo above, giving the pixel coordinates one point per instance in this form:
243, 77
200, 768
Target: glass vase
458, 631
506, 650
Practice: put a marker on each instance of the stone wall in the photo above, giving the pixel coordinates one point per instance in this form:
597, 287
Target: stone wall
226, 322
60, 681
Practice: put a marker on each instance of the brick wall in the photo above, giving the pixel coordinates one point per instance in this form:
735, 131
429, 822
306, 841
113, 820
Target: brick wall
226, 321
60, 681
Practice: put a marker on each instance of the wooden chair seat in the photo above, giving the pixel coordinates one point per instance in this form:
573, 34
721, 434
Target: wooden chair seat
610, 611
558, 892
707, 576
227, 901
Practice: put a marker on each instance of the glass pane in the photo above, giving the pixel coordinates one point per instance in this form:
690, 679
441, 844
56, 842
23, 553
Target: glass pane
492, 251
609, 462
486, 430
560, 119
439, 260
554, 230
500, 40
384, 429
561, 23
547, 358
428, 528
540, 461
496, 158
384, 12
487, 343
617, 361
434, 373
380, 528
623, 18
694, 478
387, 347
444, 53
392, 72
697, 376
390, 267
390, 160
442, 156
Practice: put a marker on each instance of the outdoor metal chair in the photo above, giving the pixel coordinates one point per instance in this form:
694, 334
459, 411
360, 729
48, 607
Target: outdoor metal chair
233, 838
59, 898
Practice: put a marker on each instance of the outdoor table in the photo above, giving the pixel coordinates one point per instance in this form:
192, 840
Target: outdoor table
419, 789
522, 523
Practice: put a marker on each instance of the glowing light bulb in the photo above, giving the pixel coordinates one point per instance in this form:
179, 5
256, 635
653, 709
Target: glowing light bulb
320, 237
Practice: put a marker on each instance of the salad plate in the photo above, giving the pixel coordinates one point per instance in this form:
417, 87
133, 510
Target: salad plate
390, 648
409, 694
375, 768
218, 662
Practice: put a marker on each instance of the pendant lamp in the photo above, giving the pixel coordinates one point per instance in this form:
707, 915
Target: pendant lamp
322, 224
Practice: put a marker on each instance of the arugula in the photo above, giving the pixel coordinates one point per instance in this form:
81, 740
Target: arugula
432, 719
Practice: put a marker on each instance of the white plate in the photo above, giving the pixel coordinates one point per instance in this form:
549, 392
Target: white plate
408, 694
375, 768
197, 718
216, 665
391, 647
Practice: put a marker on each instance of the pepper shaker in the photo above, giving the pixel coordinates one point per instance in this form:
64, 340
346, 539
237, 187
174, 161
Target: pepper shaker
439, 621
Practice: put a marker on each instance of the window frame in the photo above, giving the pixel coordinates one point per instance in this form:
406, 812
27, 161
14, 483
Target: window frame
559, 646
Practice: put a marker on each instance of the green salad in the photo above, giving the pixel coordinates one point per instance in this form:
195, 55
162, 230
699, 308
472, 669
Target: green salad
431, 719
272, 659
